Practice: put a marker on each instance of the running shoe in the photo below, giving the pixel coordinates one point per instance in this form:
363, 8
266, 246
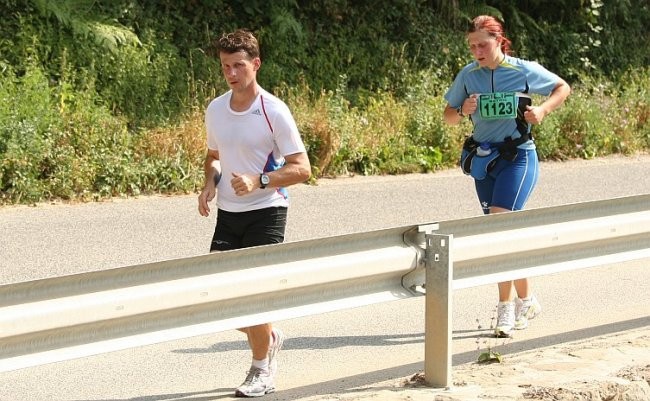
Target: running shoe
505, 319
526, 309
276, 346
258, 383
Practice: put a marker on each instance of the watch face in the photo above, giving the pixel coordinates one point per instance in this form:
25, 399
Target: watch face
264, 179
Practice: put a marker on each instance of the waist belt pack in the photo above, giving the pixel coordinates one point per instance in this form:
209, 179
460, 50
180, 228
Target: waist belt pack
479, 166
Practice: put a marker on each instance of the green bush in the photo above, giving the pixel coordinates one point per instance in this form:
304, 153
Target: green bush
101, 99
27, 119
56, 143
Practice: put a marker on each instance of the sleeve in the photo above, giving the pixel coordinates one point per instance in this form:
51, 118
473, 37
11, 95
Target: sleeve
540, 80
285, 132
210, 124
456, 94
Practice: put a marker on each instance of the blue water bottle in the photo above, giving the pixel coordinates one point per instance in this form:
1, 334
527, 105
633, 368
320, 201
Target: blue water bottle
483, 149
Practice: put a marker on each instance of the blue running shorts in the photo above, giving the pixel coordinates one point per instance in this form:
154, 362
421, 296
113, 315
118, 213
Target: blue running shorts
509, 184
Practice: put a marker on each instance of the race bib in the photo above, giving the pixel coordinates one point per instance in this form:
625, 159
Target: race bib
497, 105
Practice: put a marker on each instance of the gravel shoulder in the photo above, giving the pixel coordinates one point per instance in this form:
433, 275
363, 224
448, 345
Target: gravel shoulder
607, 368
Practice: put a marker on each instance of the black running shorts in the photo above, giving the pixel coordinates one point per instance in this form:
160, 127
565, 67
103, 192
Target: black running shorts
235, 230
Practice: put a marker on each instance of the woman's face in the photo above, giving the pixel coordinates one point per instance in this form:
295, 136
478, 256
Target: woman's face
485, 48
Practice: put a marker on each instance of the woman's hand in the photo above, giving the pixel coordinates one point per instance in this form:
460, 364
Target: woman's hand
534, 114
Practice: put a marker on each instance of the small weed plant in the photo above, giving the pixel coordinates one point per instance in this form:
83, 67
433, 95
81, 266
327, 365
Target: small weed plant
486, 343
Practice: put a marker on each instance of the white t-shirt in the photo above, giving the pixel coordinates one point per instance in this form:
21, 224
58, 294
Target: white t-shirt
252, 141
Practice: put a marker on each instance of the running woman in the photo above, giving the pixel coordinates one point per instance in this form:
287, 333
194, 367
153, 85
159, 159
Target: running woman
494, 92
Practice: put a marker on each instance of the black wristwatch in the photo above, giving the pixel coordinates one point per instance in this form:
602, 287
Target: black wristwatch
264, 180
459, 111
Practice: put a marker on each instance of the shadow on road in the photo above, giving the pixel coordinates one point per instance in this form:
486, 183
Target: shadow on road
351, 384
295, 343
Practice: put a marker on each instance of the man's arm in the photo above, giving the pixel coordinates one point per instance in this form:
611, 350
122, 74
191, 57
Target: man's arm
295, 170
212, 169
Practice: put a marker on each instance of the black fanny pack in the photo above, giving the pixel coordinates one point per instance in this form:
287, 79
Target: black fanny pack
479, 166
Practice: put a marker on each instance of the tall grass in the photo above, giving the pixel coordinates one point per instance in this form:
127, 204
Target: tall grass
60, 143
56, 143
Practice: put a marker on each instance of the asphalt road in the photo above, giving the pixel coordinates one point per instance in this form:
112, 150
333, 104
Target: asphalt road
332, 353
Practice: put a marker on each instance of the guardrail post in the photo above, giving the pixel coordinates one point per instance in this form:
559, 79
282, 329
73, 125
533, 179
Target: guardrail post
438, 299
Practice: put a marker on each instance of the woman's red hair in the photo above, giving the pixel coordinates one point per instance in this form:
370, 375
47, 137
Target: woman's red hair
494, 28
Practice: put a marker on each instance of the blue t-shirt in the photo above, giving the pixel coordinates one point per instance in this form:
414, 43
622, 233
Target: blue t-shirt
512, 75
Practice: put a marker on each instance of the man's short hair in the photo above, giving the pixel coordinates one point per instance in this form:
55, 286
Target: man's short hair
237, 41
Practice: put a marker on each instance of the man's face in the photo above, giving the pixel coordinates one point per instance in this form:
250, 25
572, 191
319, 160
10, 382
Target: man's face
238, 69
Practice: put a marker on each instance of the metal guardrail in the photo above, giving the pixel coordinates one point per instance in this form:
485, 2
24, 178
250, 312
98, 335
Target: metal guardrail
490, 249
73, 316
79, 315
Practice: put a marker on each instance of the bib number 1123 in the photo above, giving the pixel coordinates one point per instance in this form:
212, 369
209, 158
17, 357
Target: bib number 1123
498, 105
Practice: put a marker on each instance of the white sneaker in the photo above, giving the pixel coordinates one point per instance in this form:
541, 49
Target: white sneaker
526, 309
276, 346
505, 319
258, 383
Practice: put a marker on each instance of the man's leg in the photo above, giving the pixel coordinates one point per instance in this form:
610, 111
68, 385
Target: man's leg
259, 339
265, 227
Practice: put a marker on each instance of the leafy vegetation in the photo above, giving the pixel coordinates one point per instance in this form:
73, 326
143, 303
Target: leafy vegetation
106, 98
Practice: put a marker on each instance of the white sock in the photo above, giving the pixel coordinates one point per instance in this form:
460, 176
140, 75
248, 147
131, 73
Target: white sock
263, 364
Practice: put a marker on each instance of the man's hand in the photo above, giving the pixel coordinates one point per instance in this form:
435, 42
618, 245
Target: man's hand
243, 184
212, 167
205, 198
